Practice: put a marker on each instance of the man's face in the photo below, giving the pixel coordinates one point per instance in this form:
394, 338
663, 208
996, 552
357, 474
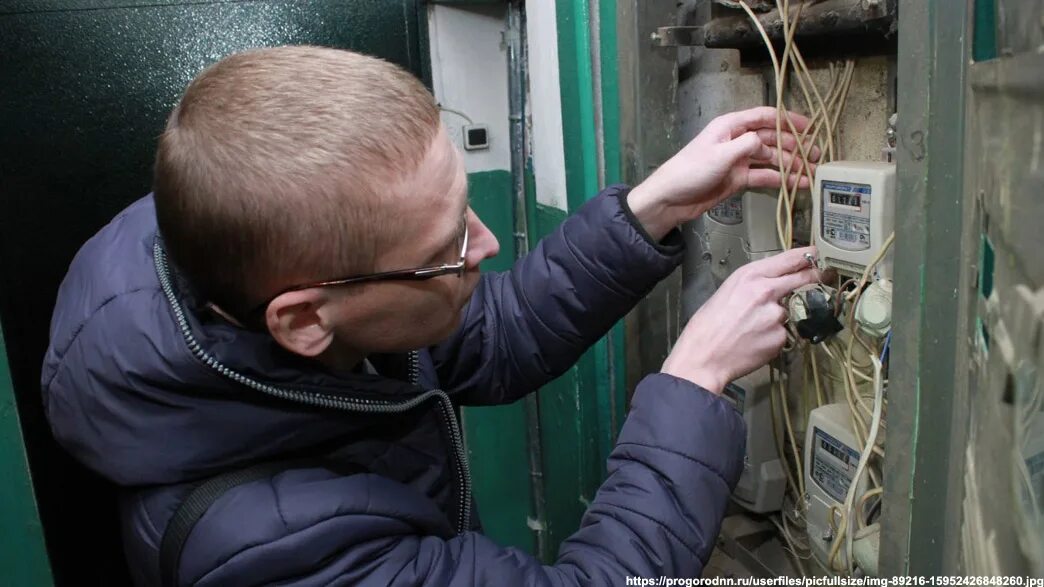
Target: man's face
393, 316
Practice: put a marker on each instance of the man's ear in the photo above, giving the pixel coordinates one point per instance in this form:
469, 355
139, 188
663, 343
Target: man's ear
300, 321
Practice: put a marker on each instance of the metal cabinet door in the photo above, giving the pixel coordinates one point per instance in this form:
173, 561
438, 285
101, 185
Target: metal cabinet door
85, 88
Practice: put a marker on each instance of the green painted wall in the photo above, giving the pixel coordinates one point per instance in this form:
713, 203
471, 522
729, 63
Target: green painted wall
23, 556
573, 467
580, 413
570, 424
496, 437
984, 30
613, 157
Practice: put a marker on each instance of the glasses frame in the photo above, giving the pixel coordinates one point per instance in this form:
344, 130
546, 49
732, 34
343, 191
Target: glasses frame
415, 274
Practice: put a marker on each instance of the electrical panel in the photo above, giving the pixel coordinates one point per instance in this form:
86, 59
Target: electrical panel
831, 458
853, 210
761, 486
740, 229
804, 511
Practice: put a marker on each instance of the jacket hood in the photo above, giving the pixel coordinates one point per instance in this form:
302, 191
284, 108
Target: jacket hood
144, 387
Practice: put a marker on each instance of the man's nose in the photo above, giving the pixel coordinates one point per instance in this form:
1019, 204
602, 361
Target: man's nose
483, 243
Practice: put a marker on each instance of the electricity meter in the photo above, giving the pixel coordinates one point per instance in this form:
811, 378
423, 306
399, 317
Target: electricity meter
853, 208
763, 481
739, 230
831, 458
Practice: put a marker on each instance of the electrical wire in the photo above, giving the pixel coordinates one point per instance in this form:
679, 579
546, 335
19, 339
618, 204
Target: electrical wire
786, 526
864, 459
854, 302
838, 534
790, 431
871, 435
887, 343
820, 400
824, 114
840, 295
822, 567
783, 227
785, 532
862, 504
827, 147
777, 435
457, 112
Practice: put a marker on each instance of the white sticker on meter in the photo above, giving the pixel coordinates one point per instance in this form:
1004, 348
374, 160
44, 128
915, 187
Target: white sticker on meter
846, 215
833, 464
729, 211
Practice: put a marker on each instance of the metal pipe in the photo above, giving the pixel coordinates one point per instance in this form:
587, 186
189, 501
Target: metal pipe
832, 18
513, 39
518, 58
594, 9
594, 31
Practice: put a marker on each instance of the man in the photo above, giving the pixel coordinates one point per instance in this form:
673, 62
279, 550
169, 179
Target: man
299, 303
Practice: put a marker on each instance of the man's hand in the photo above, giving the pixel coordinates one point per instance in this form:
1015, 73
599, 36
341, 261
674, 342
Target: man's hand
740, 328
734, 152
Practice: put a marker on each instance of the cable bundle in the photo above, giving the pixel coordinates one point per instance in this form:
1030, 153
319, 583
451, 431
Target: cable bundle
823, 113
824, 110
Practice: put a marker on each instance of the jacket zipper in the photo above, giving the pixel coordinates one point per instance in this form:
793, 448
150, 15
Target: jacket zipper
370, 406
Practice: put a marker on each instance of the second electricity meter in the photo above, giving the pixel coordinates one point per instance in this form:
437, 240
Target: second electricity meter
831, 460
739, 230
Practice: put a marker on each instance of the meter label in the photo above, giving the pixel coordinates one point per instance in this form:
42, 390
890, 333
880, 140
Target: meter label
729, 211
833, 464
846, 215
737, 395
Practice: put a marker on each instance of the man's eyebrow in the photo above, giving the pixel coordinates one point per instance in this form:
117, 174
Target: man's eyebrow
453, 236
465, 202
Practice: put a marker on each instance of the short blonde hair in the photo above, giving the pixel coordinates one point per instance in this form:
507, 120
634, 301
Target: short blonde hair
276, 166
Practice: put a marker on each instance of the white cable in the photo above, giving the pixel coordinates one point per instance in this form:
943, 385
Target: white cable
457, 112
793, 550
864, 458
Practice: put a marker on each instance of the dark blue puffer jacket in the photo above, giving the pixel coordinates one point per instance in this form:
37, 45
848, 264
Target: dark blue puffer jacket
147, 389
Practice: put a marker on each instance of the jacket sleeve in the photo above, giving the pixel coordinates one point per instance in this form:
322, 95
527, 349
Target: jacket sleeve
524, 327
658, 514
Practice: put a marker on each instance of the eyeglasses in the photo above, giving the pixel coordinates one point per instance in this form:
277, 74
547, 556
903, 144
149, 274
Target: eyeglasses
417, 274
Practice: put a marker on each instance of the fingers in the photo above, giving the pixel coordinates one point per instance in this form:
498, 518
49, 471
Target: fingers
750, 146
785, 284
789, 143
791, 160
784, 263
746, 146
771, 178
757, 118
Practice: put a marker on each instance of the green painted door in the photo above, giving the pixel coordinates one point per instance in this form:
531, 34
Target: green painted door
87, 85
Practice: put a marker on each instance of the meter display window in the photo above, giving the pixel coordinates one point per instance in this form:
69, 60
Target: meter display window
843, 199
729, 212
845, 221
833, 465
